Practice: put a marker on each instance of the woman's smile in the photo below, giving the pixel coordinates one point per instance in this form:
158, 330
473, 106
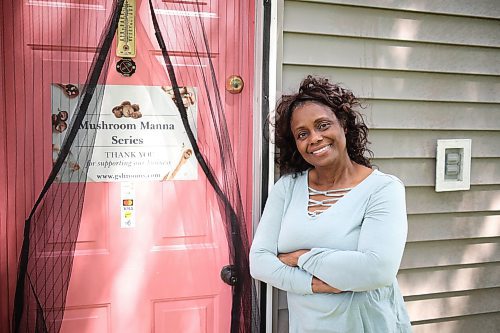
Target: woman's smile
321, 151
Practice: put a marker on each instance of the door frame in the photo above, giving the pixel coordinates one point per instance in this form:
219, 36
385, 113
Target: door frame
13, 191
267, 89
4, 262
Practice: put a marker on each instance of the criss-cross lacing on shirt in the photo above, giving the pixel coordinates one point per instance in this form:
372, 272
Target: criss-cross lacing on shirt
319, 206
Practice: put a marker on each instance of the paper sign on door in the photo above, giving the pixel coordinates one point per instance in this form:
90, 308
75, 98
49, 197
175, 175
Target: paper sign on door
139, 135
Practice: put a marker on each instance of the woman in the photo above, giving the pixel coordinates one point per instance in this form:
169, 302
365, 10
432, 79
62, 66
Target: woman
333, 230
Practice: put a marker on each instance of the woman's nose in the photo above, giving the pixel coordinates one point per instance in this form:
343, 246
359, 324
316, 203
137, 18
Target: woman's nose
316, 137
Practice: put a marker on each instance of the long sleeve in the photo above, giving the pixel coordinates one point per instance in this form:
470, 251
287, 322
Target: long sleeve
381, 243
264, 263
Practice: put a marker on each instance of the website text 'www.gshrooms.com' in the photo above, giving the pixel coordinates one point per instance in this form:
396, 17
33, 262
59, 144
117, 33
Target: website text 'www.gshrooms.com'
126, 177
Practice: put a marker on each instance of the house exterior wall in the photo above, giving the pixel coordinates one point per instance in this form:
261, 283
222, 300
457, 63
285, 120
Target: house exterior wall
427, 70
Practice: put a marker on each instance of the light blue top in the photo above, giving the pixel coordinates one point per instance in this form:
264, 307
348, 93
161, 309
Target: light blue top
356, 245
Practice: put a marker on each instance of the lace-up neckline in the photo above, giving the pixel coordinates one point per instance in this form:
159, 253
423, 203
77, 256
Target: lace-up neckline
332, 196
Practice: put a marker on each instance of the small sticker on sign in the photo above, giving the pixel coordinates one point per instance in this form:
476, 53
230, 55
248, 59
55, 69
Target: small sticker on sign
128, 202
127, 212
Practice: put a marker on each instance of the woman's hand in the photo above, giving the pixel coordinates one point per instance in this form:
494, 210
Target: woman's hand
319, 286
291, 258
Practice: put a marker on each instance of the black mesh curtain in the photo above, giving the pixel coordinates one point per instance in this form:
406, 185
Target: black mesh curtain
51, 229
219, 167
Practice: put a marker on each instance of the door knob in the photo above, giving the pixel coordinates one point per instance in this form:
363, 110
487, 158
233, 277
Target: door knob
229, 275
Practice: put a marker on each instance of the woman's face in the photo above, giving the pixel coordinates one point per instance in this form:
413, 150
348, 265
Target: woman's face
319, 136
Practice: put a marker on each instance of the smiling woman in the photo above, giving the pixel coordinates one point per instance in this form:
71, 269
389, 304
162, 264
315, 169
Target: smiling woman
340, 103
318, 134
333, 230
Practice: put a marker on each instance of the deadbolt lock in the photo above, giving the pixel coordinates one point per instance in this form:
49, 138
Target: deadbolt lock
234, 84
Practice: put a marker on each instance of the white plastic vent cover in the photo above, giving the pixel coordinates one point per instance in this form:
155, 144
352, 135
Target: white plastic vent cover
453, 160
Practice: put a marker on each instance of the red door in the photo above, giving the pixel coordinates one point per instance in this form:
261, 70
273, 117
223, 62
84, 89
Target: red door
162, 273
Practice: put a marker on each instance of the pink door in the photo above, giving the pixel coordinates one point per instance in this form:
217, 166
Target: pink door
162, 274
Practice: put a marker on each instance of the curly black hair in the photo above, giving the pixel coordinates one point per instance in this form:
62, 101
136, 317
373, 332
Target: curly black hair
341, 101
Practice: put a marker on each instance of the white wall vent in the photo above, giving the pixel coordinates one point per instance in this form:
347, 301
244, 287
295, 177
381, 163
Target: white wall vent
453, 160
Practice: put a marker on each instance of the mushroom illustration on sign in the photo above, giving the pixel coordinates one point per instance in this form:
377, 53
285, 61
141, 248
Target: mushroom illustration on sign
187, 96
59, 123
127, 109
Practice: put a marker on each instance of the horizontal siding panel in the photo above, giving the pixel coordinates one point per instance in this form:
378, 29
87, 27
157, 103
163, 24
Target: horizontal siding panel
478, 8
425, 200
482, 323
449, 253
448, 279
400, 85
389, 54
391, 114
423, 143
433, 227
422, 172
426, 70
472, 302
330, 19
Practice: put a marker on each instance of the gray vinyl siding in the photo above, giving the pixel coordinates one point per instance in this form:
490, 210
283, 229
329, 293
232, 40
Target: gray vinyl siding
427, 70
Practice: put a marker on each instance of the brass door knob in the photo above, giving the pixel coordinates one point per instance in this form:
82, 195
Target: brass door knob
234, 84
